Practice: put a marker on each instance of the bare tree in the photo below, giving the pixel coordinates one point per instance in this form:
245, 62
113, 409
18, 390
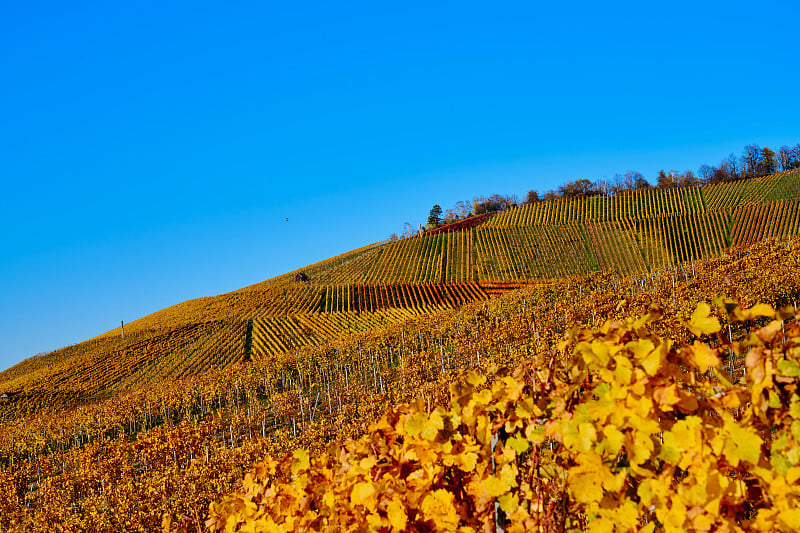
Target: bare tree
463, 209
450, 216
496, 202
705, 172
630, 181
784, 158
611, 186
750, 159
731, 167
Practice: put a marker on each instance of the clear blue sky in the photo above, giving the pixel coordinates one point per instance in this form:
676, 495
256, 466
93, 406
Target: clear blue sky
150, 152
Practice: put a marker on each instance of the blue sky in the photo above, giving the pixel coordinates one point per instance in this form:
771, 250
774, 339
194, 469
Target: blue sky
150, 152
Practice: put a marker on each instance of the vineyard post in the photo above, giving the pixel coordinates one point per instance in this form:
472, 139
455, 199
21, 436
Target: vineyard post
315, 408
498, 513
302, 411
730, 352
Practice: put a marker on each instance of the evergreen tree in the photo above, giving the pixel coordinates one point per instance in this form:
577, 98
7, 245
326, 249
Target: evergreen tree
435, 217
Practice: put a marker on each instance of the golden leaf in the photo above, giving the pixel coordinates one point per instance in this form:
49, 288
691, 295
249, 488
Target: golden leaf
495, 487
701, 323
703, 357
754, 362
362, 494
438, 507
397, 516
742, 444
300, 461
770, 331
666, 396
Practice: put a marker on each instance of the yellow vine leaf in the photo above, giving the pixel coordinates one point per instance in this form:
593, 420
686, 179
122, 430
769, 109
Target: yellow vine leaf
681, 443
495, 487
438, 507
584, 481
741, 445
626, 517
601, 524
397, 515
666, 396
433, 425
587, 436
526, 409
768, 332
362, 494
375, 521
475, 379
415, 424
614, 438
701, 323
466, 461
703, 357
518, 444
300, 461
509, 502
789, 518
754, 362
654, 358
649, 528
758, 310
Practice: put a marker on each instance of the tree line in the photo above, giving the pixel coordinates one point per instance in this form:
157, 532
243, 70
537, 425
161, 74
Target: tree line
754, 162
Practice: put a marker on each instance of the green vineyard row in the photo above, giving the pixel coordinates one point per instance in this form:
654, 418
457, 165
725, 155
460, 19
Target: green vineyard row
532, 252
385, 282
642, 204
625, 233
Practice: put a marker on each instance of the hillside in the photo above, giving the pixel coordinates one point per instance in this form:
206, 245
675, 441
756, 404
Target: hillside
628, 234
160, 455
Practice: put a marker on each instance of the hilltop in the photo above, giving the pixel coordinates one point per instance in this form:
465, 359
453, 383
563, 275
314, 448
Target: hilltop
625, 234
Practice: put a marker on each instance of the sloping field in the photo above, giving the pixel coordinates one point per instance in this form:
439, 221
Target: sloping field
384, 282
155, 458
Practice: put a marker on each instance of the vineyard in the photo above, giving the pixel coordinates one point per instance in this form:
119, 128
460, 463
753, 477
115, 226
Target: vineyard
614, 363
161, 455
630, 234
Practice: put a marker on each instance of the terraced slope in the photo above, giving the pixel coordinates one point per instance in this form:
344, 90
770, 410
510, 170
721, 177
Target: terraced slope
387, 281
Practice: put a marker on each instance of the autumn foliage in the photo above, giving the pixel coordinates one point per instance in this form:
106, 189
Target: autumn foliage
158, 457
625, 431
